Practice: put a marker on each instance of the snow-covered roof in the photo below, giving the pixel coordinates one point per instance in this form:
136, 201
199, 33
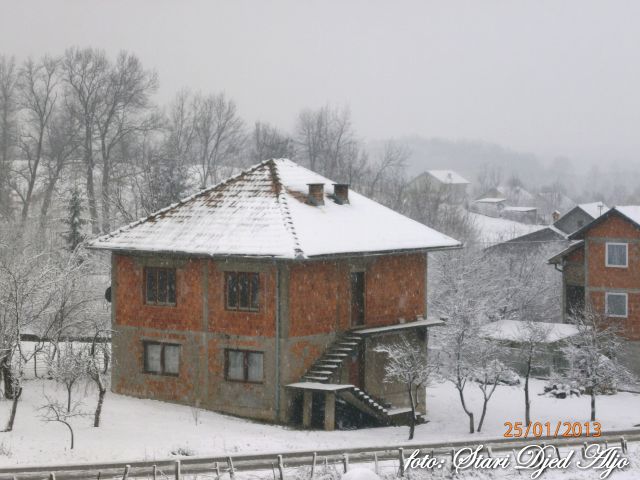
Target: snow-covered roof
594, 209
263, 211
492, 230
632, 212
491, 200
516, 331
448, 176
520, 209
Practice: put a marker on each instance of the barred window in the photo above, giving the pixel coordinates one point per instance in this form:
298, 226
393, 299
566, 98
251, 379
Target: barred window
242, 291
160, 288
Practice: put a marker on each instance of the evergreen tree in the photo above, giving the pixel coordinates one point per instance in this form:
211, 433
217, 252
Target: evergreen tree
74, 220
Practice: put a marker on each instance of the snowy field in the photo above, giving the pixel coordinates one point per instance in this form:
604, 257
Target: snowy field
134, 429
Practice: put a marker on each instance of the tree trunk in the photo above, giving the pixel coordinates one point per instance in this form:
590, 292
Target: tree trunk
14, 409
101, 393
484, 412
7, 375
69, 387
106, 194
470, 414
70, 432
593, 405
527, 400
412, 426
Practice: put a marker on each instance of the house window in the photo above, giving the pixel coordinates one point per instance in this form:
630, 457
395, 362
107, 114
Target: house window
242, 291
161, 358
160, 286
616, 255
616, 304
244, 366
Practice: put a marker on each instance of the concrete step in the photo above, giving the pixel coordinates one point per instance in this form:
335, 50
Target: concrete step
320, 373
316, 378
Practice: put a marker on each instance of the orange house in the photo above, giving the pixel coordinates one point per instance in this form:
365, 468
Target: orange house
265, 296
602, 267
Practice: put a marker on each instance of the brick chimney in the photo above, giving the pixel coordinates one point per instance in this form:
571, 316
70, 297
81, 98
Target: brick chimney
555, 216
341, 193
316, 193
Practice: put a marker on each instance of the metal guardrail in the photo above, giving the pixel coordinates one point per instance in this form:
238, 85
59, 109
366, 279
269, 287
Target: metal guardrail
220, 465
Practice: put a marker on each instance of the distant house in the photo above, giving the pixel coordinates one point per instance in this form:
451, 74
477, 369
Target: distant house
511, 335
602, 266
489, 206
579, 216
516, 195
451, 185
265, 297
521, 214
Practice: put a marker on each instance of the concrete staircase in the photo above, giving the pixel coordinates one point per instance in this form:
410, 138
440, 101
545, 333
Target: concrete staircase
329, 366
327, 369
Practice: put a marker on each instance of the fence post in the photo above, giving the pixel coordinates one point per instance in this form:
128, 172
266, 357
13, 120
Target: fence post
217, 471
401, 461
52, 476
178, 473
155, 472
280, 467
623, 444
99, 474
375, 460
126, 472
345, 462
232, 472
313, 465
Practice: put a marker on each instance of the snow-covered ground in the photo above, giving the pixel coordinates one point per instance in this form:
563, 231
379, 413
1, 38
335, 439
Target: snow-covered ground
146, 429
496, 230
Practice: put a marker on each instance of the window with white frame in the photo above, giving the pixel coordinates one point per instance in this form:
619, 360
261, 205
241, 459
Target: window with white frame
616, 304
616, 255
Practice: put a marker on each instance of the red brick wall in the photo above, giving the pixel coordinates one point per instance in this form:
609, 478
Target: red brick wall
130, 306
395, 289
318, 298
261, 323
320, 293
600, 277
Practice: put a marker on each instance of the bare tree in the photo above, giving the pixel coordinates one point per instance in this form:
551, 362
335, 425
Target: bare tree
86, 75
122, 111
99, 368
327, 142
269, 142
219, 135
37, 85
407, 363
62, 146
533, 342
8, 108
69, 368
593, 355
489, 373
389, 163
56, 412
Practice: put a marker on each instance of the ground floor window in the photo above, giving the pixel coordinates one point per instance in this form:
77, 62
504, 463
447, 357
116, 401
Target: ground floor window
616, 304
244, 366
161, 358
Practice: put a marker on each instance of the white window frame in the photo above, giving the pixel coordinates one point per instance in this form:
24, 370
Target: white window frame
626, 304
626, 254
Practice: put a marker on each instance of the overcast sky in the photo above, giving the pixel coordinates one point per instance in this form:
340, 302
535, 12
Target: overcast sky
548, 77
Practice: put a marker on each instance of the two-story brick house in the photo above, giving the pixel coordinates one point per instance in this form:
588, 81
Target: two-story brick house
264, 296
602, 266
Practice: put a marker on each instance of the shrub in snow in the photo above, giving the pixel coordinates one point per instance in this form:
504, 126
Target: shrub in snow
360, 473
562, 390
184, 451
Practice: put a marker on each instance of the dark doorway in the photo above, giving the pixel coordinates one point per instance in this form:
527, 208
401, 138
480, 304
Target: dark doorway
357, 298
575, 299
356, 369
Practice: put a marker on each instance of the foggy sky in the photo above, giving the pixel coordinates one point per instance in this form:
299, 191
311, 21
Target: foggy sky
548, 77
